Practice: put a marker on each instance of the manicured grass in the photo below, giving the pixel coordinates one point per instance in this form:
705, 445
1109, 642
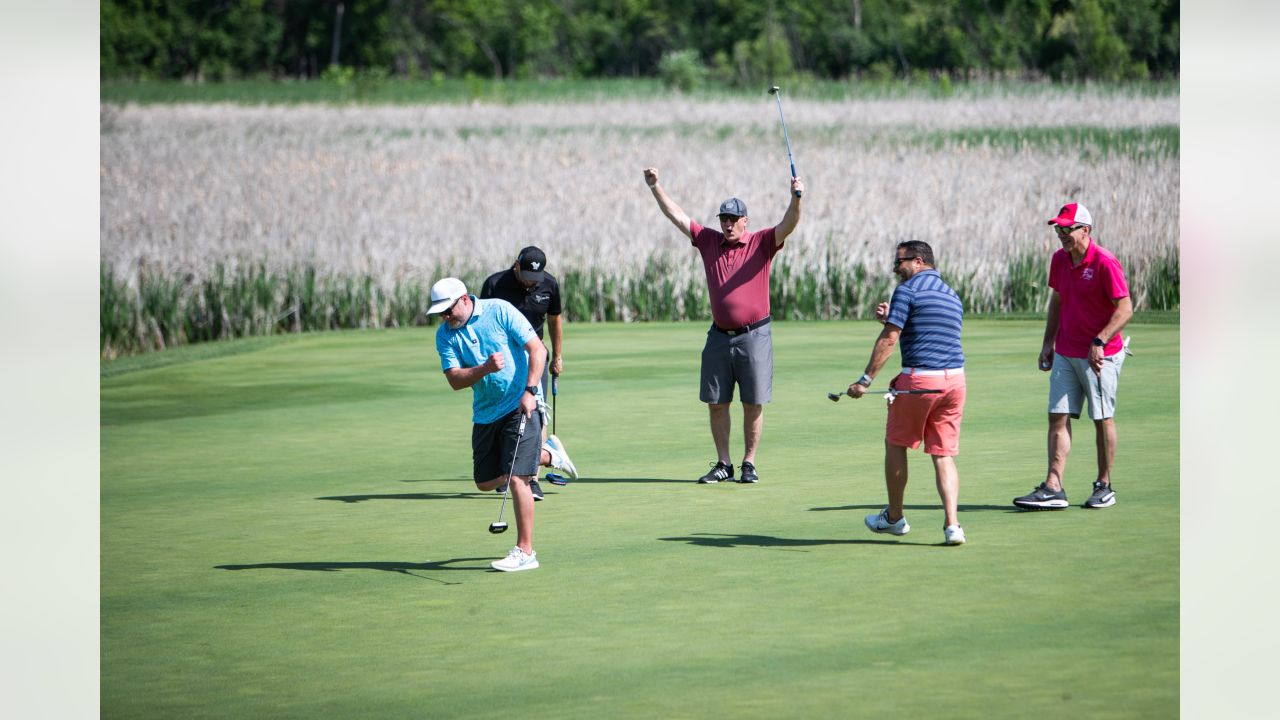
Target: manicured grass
292, 531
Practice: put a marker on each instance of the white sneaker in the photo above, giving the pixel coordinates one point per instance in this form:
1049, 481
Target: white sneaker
953, 535
516, 560
879, 523
559, 458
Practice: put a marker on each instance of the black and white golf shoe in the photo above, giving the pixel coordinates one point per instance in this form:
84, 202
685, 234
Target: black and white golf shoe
1042, 498
720, 472
1103, 496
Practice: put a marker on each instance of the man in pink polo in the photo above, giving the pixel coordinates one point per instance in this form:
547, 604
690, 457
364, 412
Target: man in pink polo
1085, 352
739, 347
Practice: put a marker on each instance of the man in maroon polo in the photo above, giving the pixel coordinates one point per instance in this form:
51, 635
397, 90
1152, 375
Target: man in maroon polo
739, 348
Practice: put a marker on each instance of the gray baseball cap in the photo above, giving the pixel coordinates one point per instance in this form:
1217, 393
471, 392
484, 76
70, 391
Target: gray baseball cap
733, 206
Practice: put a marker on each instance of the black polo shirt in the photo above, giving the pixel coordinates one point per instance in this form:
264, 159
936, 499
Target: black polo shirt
535, 304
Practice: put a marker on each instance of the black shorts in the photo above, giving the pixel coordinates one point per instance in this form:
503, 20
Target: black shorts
493, 445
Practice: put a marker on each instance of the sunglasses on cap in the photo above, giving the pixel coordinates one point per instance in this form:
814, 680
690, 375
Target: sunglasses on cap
449, 310
1066, 230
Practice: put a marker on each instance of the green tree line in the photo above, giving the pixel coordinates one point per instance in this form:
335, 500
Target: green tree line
685, 41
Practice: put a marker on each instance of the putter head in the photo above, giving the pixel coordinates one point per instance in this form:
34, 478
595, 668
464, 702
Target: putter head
774, 90
498, 528
557, 479
833, 397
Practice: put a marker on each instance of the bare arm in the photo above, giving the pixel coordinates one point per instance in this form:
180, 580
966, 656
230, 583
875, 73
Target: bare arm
1119, 316
792, 217
666, 204
537, 361
557, 341
460, 378
884, 346
1050, 332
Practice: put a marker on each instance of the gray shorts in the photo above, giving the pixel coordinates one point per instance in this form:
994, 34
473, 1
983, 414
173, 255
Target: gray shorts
745, 359
493, 446
1072, 381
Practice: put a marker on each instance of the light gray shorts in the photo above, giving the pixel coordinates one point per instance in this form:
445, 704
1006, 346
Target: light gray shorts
745, 360
1072, 381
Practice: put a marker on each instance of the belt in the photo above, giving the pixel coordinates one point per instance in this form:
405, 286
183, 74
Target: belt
745, 328
925, 373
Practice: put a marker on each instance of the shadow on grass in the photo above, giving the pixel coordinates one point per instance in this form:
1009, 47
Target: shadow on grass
412, 496
403, 568
721, 540
960, 508
628, 480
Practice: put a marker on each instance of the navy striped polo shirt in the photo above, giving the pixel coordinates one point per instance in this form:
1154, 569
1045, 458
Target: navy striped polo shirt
930, 315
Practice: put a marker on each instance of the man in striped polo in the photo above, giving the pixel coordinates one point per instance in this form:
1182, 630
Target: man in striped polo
926, 316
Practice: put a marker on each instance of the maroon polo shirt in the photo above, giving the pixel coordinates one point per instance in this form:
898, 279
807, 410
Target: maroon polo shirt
737, 274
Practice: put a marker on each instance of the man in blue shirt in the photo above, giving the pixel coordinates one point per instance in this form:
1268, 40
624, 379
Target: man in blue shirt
926, 316
488, 346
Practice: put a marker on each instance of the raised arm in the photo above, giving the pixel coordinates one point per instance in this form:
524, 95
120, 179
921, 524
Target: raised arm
792, 217
460, 378
666, 204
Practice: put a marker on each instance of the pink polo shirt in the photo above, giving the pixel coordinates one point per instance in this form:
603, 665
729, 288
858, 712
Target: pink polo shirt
737, 274
1087, 296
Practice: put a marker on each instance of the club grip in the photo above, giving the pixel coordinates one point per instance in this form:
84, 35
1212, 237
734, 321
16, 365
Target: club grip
799, 193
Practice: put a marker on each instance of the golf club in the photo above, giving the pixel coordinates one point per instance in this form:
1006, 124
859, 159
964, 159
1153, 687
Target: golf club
776, 92
555, 478
890, 393
501, 527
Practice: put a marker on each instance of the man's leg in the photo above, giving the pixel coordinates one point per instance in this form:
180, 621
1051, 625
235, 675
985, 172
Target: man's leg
1106, 435
720, 426
752, 425
895, 478
522, 497
1059, 448
948, 478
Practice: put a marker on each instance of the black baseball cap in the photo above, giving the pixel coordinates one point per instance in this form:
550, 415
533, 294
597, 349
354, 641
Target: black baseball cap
533, 263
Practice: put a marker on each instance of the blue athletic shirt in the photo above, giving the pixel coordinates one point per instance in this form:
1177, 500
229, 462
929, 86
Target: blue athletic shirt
930, 315
495, 326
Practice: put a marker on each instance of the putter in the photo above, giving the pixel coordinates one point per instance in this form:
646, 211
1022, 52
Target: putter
500, 526
776, 92
889, 394
555, 478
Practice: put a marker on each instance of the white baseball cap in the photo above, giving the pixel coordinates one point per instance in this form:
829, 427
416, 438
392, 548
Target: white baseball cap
444, 293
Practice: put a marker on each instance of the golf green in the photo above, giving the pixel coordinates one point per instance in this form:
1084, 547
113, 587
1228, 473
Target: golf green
289, 529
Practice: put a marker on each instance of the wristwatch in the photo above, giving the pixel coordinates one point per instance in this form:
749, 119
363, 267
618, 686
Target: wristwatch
1098, 342
864, 381
532, 390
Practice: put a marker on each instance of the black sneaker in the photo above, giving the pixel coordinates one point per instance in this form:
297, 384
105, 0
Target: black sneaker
1042, 498
748, 473
1103, 496
719, 472
536, 488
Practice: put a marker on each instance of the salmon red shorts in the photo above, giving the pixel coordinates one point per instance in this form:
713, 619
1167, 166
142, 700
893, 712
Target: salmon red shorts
933, 419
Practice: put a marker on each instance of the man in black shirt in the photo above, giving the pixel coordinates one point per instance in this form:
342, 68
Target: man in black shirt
536, 294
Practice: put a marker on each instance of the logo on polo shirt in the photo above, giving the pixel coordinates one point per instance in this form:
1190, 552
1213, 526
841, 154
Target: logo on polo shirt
1087, 274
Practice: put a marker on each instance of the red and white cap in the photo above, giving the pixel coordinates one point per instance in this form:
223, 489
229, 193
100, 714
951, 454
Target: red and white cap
1073, 214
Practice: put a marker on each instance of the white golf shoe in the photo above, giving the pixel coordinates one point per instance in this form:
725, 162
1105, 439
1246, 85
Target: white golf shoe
559, 457
953, 535
516, 560
879, 523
